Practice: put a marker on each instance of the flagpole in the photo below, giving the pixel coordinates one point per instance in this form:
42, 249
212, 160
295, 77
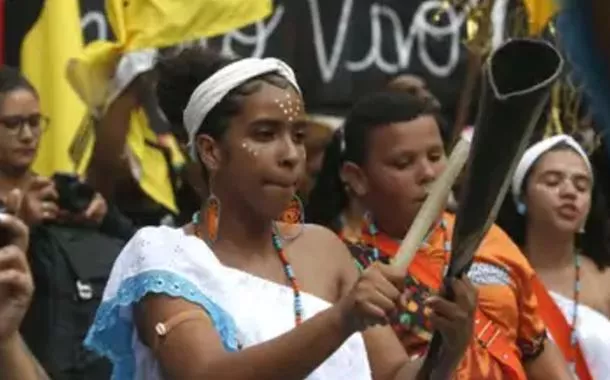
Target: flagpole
478, 45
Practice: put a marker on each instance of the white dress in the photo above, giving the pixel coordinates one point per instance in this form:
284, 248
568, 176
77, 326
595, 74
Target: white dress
593, 331
244, 308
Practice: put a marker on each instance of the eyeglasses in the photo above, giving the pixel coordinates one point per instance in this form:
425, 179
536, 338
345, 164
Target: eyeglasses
15, 124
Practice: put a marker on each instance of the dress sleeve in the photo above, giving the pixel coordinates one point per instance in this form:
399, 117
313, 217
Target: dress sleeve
144, 267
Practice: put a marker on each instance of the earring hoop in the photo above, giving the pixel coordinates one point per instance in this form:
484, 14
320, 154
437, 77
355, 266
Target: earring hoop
293, 214
212, 210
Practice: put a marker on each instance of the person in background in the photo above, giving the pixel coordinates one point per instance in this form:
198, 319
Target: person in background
561, 225
16, 289
415, 86
392, 153
68, 221
135, 161
21, 125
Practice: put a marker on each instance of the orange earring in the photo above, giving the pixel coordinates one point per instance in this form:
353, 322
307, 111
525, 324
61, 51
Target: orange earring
212, 217
294, 213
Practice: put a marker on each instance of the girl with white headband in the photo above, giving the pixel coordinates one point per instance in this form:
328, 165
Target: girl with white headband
235, 295
552, 189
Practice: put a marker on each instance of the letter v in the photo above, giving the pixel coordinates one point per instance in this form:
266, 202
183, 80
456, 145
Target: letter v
327, 66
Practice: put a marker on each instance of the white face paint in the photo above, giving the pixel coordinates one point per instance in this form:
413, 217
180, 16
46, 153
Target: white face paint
290, 107
253, 152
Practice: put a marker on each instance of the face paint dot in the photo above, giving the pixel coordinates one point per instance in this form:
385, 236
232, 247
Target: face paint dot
243, 145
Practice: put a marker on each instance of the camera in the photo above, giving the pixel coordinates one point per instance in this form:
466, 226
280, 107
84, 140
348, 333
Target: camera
74, 196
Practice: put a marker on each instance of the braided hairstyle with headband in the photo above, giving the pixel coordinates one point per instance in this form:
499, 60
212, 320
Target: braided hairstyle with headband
181, 73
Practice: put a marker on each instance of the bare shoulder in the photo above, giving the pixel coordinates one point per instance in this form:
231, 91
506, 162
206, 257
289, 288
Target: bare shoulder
605, 279
327, 243
315, 231
591, 269
605, 273
324, 255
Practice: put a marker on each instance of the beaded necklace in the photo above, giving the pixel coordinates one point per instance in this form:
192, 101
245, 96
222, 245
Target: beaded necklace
374, 231
277, 245
405, 318
573, 335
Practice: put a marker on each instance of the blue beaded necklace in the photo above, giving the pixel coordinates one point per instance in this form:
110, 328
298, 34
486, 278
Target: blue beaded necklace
277, 245
573, 331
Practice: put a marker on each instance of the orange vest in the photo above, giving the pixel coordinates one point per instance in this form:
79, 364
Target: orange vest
494, 352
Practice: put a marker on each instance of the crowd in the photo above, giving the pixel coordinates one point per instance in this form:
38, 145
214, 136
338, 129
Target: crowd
279, 261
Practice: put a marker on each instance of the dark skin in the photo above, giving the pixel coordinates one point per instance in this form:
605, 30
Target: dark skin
403, 161
263, 147
108, 164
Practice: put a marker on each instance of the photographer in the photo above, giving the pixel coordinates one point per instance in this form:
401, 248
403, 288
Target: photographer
16, 289
74, 238
62, 198
41, 204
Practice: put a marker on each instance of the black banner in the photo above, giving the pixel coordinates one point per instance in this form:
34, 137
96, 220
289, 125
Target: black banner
341, 49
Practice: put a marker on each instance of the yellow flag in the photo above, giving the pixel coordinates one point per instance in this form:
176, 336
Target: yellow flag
152, 166
539, 13
146, 24
53, 40
158, 23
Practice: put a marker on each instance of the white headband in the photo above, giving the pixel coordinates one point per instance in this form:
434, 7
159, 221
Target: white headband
533, 154
209, 93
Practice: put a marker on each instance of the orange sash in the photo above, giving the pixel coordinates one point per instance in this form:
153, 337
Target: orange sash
487, 333
560, 329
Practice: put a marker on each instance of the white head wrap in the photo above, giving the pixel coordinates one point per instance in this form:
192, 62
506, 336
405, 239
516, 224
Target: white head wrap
209, 93
129, 67
535, 152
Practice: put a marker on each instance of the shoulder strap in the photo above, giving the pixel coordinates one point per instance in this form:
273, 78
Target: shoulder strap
559, 329
495, 340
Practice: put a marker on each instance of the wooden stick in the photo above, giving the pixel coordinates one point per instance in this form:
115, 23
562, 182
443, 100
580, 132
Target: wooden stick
432, 207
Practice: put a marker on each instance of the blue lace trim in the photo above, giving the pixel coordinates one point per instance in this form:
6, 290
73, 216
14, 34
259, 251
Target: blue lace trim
111, 334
